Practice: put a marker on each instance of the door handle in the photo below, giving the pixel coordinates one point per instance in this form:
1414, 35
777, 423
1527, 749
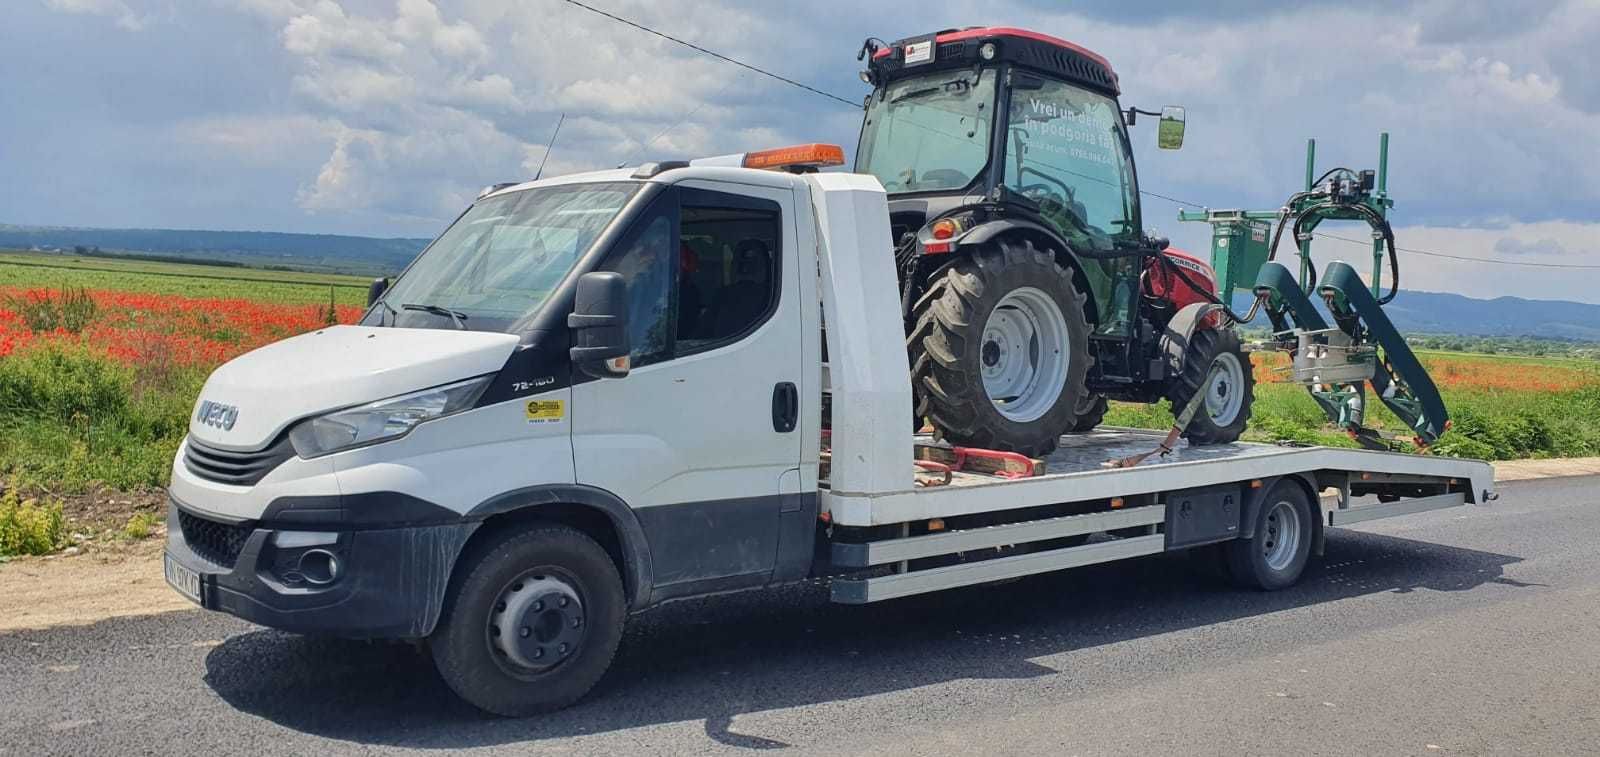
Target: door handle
785, 407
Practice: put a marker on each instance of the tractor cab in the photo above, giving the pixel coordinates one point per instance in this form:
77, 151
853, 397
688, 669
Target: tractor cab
1023, 123
994, 113
1006, 157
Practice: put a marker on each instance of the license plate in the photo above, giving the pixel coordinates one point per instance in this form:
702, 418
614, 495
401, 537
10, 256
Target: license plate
184, 580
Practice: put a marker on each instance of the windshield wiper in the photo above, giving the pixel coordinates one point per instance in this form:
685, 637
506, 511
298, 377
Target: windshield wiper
933, 90
455, 316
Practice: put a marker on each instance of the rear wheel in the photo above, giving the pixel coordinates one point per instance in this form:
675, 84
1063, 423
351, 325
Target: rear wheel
999, 350
1276, 555
1216, 366
534, 624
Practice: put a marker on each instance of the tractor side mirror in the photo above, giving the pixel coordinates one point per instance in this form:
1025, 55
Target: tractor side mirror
375, 290
1169, 133
599, 324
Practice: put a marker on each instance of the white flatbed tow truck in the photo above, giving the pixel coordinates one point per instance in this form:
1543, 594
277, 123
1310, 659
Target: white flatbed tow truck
599, 392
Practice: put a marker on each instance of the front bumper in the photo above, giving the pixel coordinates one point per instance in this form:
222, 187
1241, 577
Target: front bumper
390, 582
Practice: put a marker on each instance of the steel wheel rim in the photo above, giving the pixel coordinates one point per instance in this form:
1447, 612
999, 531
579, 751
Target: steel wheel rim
536, 623
1281, 541
1224, 389
1024, 355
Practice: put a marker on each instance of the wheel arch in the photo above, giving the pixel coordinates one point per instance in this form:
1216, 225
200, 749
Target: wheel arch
1175, 337
596, 512
1041, 236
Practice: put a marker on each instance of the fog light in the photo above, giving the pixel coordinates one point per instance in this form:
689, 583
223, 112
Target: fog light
319, 567
987, 51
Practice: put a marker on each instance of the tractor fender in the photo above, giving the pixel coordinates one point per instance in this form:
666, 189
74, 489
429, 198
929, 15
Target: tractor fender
1042, 236
1175, 339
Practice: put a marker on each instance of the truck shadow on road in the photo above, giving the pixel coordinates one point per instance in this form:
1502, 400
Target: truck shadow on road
713, 659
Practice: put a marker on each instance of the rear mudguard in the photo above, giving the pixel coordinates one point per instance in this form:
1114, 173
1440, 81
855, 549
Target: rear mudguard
1042, 236
1175, 338
1400, 381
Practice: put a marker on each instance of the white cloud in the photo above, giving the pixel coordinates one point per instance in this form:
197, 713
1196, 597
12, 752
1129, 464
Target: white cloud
399, 110
126, 17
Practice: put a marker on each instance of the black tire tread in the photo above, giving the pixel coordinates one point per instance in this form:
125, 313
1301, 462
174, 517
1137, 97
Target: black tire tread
456, 644
1242, 558
1204, 345
942, 345
1092, 416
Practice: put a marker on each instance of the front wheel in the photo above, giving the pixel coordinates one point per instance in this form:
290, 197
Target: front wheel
1000, 349
534, 624
1217, 367
1091, 411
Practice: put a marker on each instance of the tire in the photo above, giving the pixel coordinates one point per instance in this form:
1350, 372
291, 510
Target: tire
1216, 364
1276, 555
1006, 318
1090, 413
518, 584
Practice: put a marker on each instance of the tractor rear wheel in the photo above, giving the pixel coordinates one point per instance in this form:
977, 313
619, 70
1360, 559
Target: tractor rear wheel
1217, 366
1000, 349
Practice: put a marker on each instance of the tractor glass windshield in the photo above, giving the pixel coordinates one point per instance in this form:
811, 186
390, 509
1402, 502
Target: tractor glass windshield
502, 259
1066, 151
930, 132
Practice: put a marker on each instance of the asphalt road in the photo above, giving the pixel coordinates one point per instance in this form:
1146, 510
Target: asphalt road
1465, 631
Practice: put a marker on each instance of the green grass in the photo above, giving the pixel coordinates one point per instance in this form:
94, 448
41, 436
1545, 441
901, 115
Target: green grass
71, 416
29, 527
1489, 425
27, 269
140, 526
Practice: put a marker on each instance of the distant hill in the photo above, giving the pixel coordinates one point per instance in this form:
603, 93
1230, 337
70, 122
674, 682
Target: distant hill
1412, 312
317, 252
1443, 313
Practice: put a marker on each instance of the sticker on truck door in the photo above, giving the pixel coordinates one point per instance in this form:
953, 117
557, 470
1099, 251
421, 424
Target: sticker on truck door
546, 411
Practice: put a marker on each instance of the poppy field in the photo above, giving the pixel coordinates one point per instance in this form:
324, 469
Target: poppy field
100, 362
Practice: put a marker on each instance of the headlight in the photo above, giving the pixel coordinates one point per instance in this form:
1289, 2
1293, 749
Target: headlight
382, 420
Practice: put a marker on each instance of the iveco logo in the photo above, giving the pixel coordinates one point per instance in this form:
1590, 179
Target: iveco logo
217, 414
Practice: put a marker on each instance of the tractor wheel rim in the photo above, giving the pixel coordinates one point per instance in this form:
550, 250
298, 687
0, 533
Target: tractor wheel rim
536, 623
1281, 539
1225, 389
1024, 355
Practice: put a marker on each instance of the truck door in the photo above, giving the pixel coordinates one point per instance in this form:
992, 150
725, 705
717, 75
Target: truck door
700, 438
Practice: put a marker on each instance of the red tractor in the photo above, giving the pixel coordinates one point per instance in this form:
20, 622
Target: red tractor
1030, 290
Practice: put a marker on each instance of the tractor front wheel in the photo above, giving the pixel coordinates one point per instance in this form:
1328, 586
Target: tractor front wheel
1216, 366
1000, 350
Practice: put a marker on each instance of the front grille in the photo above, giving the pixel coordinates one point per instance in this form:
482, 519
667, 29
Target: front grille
217, 542
229, 467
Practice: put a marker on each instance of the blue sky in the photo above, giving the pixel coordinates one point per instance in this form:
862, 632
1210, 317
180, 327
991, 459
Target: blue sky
384, 117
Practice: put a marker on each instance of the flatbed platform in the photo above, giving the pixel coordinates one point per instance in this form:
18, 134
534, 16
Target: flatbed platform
1074, 473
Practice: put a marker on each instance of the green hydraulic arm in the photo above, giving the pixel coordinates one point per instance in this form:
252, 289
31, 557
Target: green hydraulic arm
1363, 346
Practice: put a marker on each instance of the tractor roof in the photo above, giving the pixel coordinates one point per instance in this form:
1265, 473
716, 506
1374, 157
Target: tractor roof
959, 48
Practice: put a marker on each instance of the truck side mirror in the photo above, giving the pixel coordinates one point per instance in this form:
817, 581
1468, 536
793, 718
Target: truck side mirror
599, 323
375, 290
1169, 133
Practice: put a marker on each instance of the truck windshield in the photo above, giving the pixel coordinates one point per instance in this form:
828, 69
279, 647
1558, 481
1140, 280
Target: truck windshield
502, 259
930, 132
1066, 151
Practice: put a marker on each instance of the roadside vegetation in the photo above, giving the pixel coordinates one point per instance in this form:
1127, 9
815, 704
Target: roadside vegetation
97, 385
28, 526
1502, 407
101, 361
